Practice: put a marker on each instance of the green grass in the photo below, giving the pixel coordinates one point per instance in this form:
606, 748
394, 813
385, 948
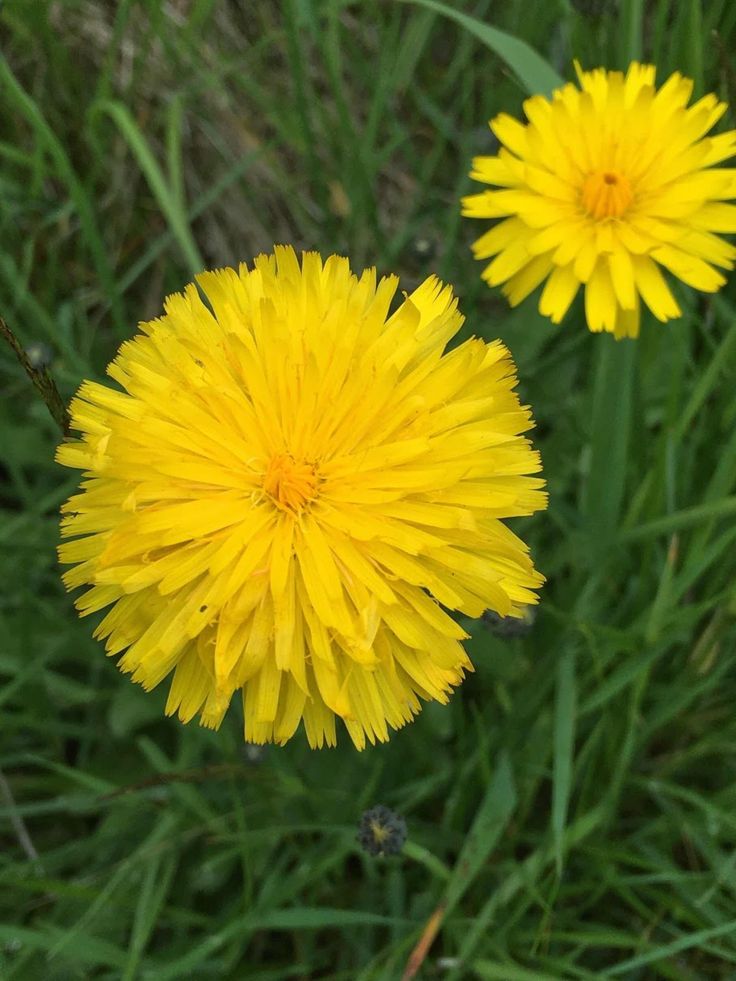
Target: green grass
572, 811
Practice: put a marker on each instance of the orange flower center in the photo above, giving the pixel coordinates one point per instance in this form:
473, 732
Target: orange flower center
606, 194
289, 483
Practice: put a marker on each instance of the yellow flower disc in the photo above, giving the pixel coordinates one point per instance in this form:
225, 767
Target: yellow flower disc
290, 491
603, 186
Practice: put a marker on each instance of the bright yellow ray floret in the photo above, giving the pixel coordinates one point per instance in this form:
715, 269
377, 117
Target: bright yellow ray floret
291, 489
602, 187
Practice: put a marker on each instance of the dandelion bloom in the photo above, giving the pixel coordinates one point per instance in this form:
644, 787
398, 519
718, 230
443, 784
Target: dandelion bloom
290, 488
604, 185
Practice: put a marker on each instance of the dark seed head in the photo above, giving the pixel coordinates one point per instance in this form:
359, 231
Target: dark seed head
254, 753
509, 626
381, 831
424, 248
39, 354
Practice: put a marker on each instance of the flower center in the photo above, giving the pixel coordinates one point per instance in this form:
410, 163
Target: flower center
289, 483
606, 194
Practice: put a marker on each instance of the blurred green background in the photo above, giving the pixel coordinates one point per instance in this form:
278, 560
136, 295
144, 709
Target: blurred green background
573, 810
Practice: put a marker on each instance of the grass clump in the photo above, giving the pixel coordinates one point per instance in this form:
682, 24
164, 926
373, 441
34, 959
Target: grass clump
570, 813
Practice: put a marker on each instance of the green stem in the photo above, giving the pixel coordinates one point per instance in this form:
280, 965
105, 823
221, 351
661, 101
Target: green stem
604, 488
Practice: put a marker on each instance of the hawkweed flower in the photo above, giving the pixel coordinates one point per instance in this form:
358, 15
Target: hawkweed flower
604, 186
291, 489
381, 831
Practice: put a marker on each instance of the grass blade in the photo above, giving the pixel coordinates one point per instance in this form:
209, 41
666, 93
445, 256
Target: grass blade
687, 518
97, 248
564, 739
493, 814
666, 950
535, 74
167, 197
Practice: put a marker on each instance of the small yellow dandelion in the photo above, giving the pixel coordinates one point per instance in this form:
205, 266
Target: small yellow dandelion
289, 492
604, 185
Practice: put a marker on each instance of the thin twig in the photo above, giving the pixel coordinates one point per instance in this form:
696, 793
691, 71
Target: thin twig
24, 839
41, 381
215, 771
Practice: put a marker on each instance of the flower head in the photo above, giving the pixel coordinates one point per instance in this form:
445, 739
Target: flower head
604, 185
290, 490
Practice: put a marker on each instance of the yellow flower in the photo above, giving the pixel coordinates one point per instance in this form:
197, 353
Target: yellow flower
602, 186
290, 488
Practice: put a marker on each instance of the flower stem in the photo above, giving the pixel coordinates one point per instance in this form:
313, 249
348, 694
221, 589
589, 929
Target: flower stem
41, 381
604, 488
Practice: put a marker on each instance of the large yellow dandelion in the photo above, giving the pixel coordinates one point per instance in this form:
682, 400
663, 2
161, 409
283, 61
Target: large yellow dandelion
604, 185
289, 493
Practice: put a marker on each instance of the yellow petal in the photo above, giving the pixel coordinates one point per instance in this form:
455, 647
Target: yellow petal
622, 277
600, 299
653, 289
558, 293
689, 268
524, 282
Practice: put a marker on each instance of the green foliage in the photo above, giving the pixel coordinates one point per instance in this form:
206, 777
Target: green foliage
571, 812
